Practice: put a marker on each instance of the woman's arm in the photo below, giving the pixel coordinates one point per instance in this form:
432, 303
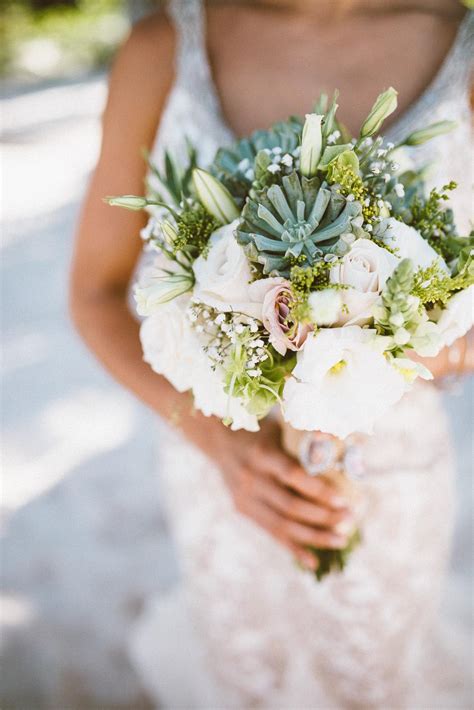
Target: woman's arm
264, 482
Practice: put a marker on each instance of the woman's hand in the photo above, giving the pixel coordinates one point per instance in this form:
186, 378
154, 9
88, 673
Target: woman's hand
270, 487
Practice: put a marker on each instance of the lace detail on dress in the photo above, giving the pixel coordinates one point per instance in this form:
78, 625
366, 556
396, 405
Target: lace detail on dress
250, 630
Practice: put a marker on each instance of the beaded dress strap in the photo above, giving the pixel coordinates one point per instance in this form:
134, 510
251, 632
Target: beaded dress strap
192, 64
451, 81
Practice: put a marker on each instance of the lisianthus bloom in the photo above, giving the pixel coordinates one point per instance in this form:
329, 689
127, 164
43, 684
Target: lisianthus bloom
342, 383
409, 244
276, 296
364, 270
223, 276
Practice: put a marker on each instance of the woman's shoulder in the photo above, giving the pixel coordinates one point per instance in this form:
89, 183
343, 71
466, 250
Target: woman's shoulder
150, 47
143, 71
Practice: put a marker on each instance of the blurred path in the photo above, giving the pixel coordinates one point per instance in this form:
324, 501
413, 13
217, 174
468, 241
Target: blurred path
85, 542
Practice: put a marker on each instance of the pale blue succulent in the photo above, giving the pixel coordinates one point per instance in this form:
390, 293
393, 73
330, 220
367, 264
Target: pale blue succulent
300, 221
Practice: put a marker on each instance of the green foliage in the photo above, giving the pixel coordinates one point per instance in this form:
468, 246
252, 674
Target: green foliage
59, 41
344, 172
295, 223
305, 280
194, 227
175, 182
433, 286
234, 166
435, 222
259, 394
335, 560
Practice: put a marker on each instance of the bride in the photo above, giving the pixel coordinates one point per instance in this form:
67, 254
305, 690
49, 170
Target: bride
249, 628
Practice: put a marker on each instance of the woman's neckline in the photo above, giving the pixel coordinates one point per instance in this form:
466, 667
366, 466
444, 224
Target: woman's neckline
394, 129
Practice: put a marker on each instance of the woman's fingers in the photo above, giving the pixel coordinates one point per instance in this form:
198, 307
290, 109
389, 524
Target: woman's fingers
314, 488
277, 464
305, 558
268, 520
291, 533
299, 509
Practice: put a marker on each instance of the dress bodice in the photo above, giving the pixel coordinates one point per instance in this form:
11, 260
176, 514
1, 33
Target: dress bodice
193, 109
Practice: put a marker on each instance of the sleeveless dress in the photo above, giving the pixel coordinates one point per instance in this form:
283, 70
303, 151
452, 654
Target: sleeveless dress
247, 628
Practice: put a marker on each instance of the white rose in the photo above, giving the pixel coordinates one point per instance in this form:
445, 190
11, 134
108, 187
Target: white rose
170, 345
342, 383
457, 318
365, 270
223, 276
409, 244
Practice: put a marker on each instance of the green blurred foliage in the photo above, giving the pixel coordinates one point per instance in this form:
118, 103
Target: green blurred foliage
61, 40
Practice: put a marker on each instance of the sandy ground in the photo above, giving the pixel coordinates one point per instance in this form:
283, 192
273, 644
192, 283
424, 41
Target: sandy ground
85, 541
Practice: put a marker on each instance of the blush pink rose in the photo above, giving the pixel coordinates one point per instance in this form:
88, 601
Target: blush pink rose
284, 333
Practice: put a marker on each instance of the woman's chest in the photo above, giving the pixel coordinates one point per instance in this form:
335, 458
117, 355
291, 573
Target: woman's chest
265, 73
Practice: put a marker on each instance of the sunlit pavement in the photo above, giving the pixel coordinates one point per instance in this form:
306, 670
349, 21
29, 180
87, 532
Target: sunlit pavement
84, 538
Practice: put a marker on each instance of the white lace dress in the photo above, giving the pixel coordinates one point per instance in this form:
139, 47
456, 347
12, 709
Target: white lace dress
247, 628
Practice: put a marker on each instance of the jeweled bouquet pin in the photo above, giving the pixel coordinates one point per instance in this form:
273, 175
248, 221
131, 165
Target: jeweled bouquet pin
301, 270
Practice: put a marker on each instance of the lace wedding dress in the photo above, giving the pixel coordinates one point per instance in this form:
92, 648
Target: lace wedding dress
247, 628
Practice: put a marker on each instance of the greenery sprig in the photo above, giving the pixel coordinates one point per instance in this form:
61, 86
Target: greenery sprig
433, 286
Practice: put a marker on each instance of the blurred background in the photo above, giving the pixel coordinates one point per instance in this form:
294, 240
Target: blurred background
84, 538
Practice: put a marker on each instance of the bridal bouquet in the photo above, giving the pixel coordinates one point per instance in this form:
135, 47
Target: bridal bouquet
301, 269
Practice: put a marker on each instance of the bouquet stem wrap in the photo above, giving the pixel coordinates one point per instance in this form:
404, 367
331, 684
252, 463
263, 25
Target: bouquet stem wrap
309, 448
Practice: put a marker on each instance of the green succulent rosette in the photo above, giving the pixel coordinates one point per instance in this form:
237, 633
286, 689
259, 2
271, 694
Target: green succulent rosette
298, 222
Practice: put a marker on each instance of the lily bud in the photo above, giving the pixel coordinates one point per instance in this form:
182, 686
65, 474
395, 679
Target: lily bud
426, 134
160, 289
130, 202
214, 197
311, 145
385, 104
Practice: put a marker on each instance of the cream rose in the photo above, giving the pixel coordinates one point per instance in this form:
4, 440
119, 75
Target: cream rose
409, 244
223, 276
275, 295
364, 270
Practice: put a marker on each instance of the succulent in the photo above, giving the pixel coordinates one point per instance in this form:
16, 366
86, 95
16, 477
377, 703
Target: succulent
234, 166
298, 222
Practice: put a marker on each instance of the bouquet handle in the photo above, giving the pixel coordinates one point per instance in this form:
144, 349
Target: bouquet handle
339, 462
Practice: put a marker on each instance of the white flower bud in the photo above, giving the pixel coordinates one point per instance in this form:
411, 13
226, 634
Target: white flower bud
385, 104
397, 320
159, 289
311, 144
325, 306
401, 336
214, 197
169, 232
130, 202
426, 134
